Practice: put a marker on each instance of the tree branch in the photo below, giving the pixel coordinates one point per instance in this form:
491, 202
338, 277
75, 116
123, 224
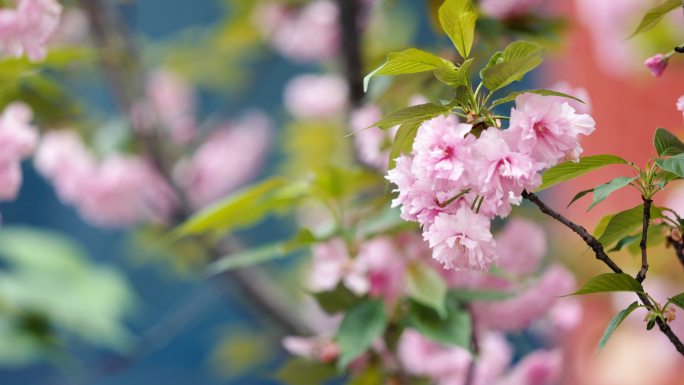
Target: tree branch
595, 245
641, 275
350, 12
589, 239
678, 245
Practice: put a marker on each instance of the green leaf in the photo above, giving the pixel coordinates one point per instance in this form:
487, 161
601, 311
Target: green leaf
511, 97
673, 164
261, 254
244, 208
467, 295
409, 61
414, 114
426, 286
458, 18
336, 301
362, 325
667, 143
602, 224
615, 322
454, 76
655, 14
601, 192
519, 58
625, 241
455, 329
625, 223
403, 141
678, 300
571, 170
610, 282
579, 195
300, 371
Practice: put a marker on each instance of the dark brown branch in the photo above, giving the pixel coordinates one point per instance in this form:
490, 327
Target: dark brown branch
589, 239
641, 275
597, 247
678, 245
350, 12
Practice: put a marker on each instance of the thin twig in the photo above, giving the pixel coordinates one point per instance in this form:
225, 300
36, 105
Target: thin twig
678, 246
641, 275
589, 239
475, 346
595, 245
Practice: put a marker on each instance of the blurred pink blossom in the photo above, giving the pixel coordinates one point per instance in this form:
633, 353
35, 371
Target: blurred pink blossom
74, 28
373, 144
315, 96
318, 348
565, 315
520, 311
229, 158
310, 34
332, 265
27, 28
680, 104
656, 64
117, 192
173, 103
521, 245
17, 140
537, 368
504, 9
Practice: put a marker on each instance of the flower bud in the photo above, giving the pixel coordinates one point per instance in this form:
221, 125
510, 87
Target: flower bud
656, 64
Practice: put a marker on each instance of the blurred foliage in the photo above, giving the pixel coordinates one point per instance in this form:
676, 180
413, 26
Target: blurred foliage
241, 350
50, 294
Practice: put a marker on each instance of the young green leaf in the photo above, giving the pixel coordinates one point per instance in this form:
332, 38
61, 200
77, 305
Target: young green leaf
336, 301
610, 282
453, 76
673, 164
519, 58
300, 371
625, 241
678, 300
244, 208
362, 325
511, 97
571, 170
655, 14
418, 113
601, 192
625, 223
409, 61
261, 254
667, 143
458, 18
403, 141
615, 322
425, 286
579, 196
455, 329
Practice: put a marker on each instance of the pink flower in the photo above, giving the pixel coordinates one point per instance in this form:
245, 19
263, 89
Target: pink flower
385, 267
442, 149
17, 139
332, 265
521, 245
519, 312
547, 129
502, 173
309, 35
230, 157
372, 144
319, 348
27, 28
578, 92
565, 315
680, 104
538, 368
315, 96
415, 196
462, 240
173, 103
656, 64
504, 9
422, 357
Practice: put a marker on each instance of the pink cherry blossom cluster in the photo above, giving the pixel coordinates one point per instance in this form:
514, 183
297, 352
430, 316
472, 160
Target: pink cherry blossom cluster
120, 190
17, 140
454, 183
26, 29
309, 34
